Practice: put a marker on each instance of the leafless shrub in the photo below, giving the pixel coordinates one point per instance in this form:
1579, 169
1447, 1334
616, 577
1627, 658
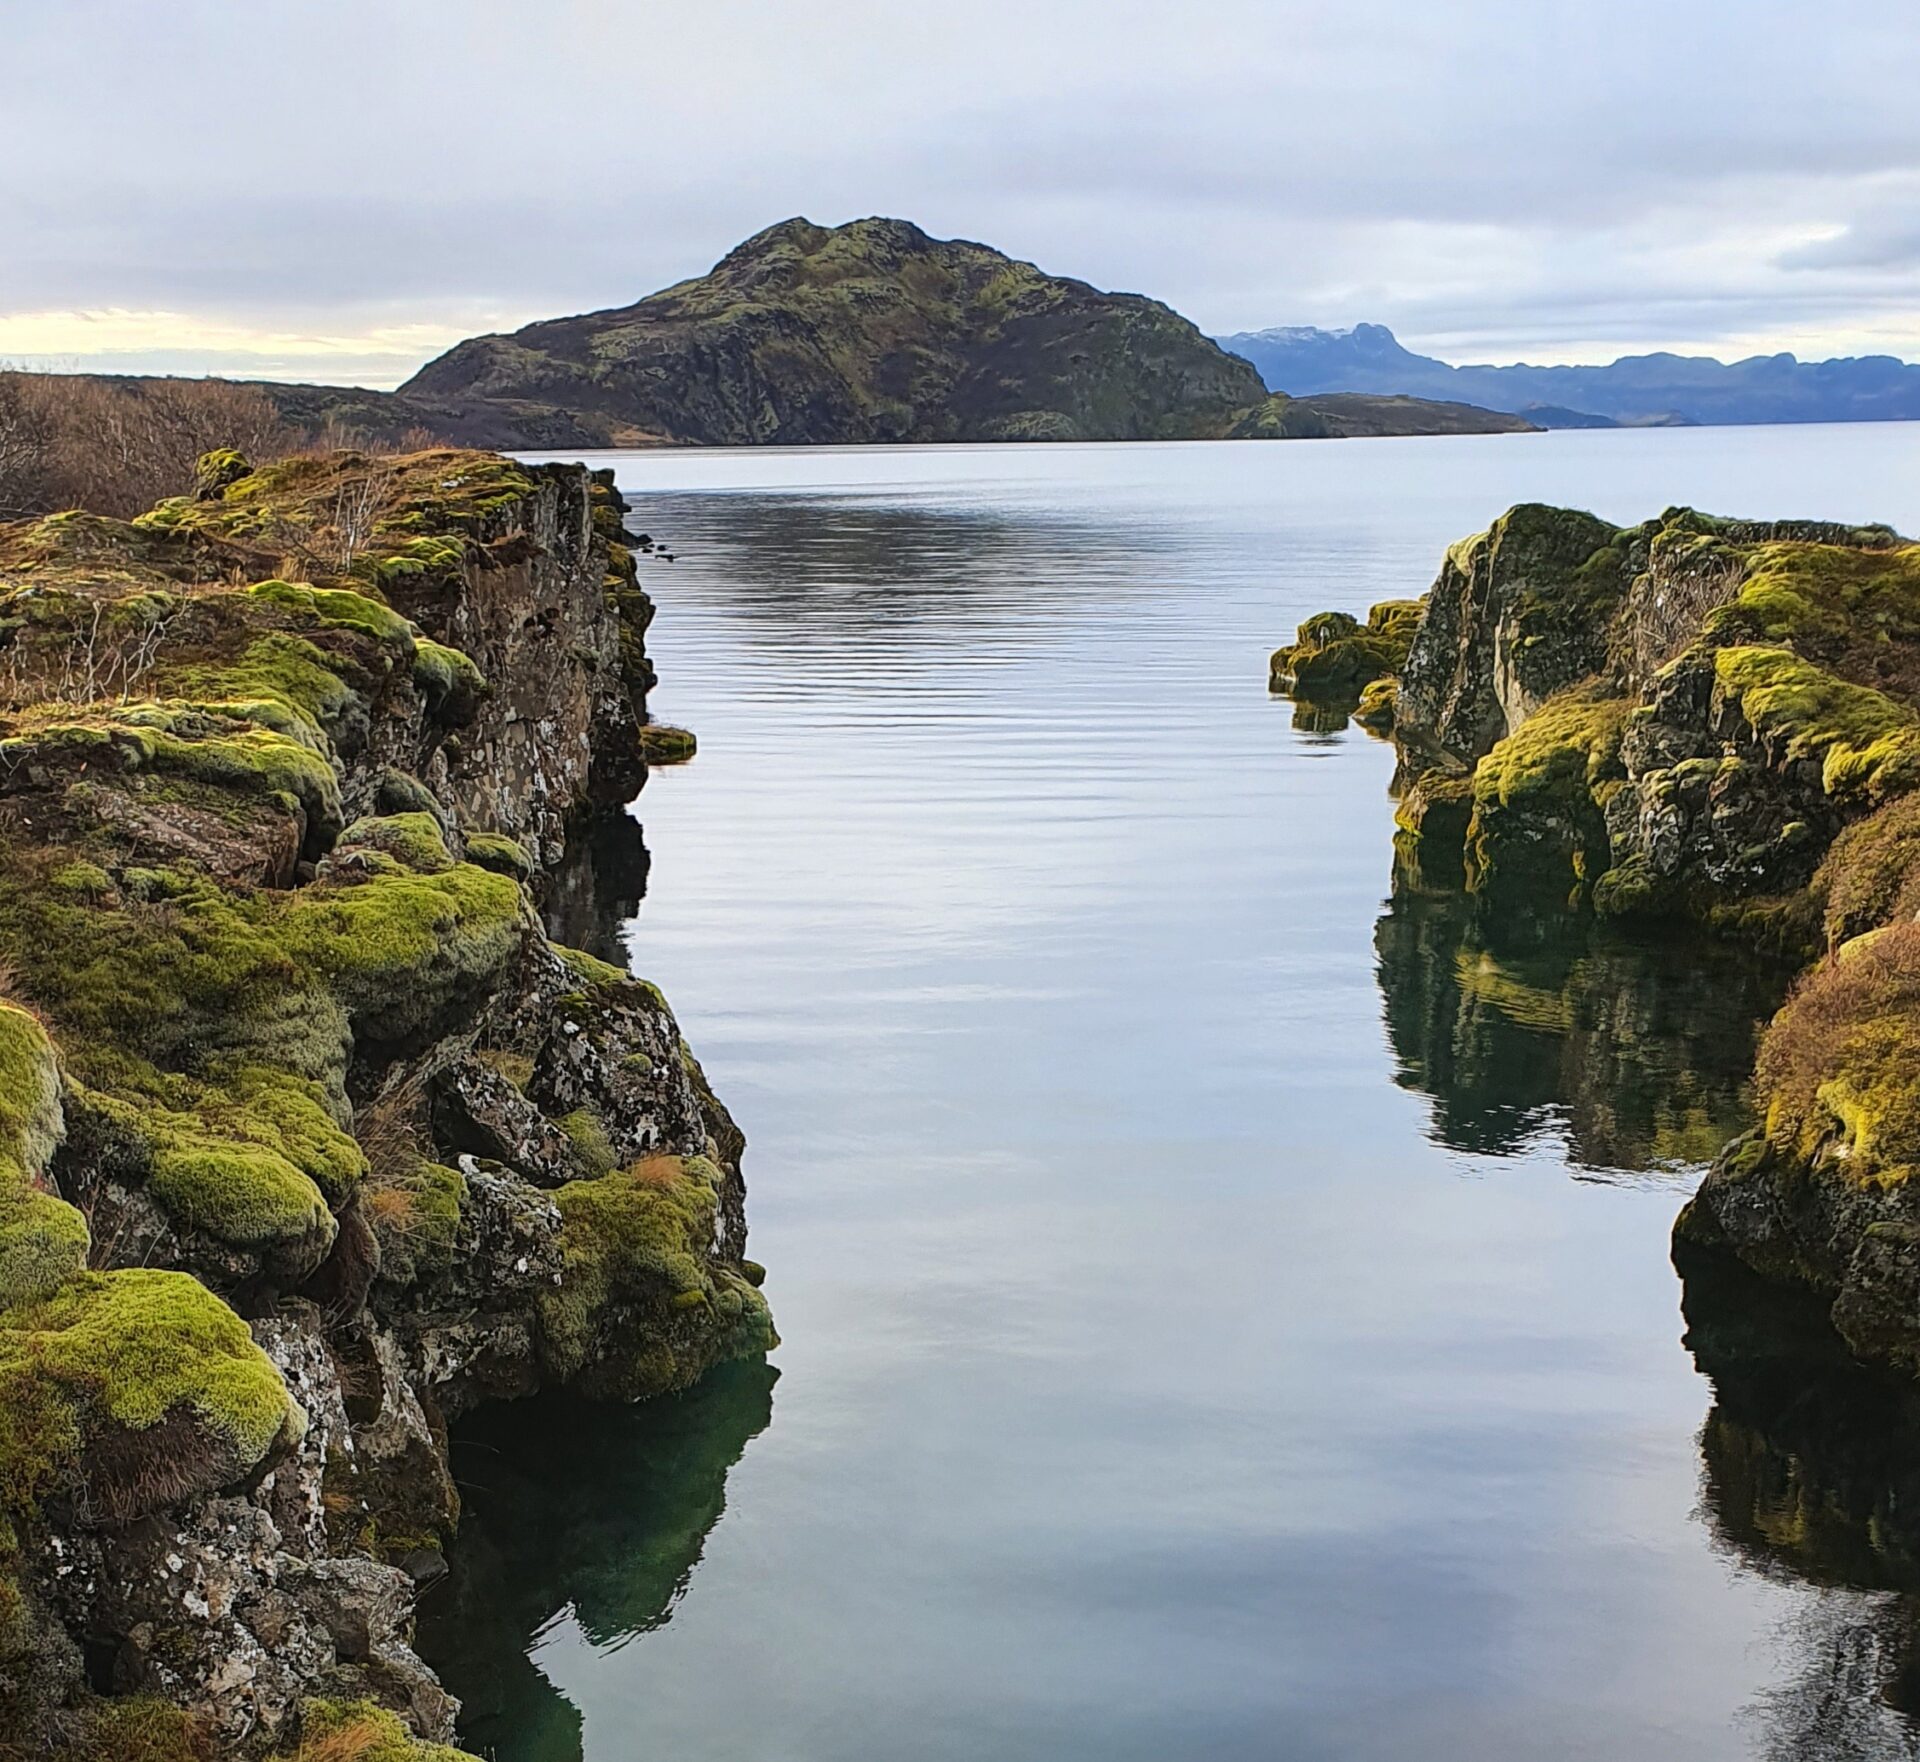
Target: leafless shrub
1672, 603
102, 660
117, 446
323, 543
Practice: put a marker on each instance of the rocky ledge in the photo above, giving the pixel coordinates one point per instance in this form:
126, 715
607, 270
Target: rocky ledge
1716, 721
310, 1139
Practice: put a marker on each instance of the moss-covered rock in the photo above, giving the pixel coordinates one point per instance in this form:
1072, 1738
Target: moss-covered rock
361, 1731
641, 1307
663, 744
126, 1392
1538, 822
248, 966
1333, 655
43, 1240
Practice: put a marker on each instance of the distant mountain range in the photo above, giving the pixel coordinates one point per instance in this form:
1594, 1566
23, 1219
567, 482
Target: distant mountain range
1634, 390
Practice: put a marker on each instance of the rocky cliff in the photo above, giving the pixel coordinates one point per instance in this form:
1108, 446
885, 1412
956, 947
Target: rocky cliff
310, 1138
1717, 722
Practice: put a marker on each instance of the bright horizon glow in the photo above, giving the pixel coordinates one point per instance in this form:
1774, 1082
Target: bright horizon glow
1496, 181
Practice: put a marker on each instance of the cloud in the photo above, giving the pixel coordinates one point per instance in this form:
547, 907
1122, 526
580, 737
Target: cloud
1492, 171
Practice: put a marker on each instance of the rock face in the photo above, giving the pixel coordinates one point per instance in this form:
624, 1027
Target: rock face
309, 1138
867, 332
1719, 722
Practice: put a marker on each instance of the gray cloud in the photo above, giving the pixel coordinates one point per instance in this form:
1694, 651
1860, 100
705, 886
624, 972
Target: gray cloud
1494, 173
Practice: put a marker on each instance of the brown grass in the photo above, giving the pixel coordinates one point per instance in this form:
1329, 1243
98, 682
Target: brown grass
353, 1741
1838, 1067
656, 1171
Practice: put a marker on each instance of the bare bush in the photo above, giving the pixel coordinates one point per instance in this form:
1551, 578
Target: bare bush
117, 446
101, 660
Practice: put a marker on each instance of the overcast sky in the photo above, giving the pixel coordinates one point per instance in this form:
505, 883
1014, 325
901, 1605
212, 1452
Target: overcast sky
340, 190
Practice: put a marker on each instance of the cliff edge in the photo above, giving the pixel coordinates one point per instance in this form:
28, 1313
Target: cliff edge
310, 1139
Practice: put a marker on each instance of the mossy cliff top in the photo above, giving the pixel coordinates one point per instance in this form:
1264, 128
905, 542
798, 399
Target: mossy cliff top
1715, 720
268, 827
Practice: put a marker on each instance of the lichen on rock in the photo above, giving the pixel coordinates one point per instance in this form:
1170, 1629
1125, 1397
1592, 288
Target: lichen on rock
270, 1213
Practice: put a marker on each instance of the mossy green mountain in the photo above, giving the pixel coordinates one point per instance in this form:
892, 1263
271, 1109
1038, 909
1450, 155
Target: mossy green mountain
867, 332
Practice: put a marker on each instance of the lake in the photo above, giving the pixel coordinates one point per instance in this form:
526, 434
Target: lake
1227, 1301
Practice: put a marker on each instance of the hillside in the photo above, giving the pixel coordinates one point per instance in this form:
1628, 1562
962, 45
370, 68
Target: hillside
867, 332
1634, 390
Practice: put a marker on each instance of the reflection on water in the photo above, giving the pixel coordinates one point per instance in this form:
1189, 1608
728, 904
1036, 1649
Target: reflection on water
602, 1531
1634, 1050
598, 886
1154, 1384
1811, 1471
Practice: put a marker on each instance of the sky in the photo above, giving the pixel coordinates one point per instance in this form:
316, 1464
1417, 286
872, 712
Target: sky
338, 191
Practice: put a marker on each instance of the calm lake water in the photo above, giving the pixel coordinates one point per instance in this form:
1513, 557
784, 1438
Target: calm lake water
1228, 1309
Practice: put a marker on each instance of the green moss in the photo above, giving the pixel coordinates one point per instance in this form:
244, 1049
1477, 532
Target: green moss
664, 745
590, 969
43, 1240
253, 994
495, 851
452, 685
256, 749
338, 608
1378, 700
134, 1728
1832, 603
639, 1238
1561, 753
278, 668
130, 1348
1867, 745
587, 1133
1536, 814
415, 1211
261, 1159
361, 1731
414, 839
215, 472
1334, 655
433, 555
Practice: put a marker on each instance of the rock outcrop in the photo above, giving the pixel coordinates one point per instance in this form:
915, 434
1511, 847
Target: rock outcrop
1718, 722
310, 1139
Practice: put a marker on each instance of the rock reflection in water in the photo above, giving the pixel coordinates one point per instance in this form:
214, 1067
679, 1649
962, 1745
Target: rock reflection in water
598, 886
1811, 1471
1637, 1050
593, 1511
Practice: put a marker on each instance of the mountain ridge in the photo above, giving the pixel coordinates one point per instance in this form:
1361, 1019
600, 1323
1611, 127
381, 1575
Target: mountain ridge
1658, 387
